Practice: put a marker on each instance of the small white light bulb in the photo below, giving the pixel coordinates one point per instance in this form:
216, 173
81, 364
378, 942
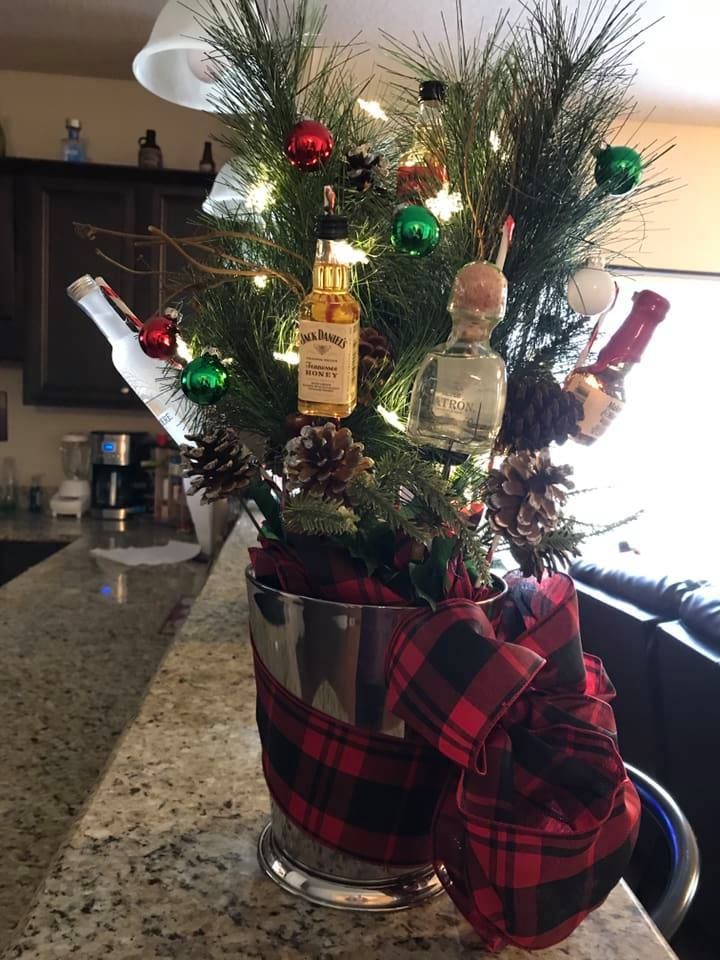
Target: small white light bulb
444, 205
291, 357
372, 108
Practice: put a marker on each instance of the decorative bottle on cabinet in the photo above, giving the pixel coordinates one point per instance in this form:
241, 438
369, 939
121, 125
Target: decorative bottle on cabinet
149, 155
74, 148
207, 164
329, 330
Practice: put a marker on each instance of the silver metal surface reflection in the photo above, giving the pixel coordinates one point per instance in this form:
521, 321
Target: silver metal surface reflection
332, 657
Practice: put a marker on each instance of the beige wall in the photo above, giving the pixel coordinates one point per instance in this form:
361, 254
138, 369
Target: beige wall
114, 113
682, 232
34, 433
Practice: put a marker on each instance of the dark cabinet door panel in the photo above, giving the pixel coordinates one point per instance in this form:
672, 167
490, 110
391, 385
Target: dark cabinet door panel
68, 360
11, 332
175, 209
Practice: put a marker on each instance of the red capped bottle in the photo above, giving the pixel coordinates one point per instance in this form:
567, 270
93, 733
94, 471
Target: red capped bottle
601, 385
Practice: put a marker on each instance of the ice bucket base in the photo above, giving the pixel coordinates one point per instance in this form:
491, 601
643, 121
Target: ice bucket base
391, 893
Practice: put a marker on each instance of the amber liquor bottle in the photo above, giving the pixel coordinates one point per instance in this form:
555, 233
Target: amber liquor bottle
329, 329
601, 385
420, 173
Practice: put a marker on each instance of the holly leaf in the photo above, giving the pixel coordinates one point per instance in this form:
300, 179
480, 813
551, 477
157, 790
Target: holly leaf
429, 577
270, 509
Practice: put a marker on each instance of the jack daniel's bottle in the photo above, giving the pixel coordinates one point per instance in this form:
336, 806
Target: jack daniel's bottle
601, 385
329, 330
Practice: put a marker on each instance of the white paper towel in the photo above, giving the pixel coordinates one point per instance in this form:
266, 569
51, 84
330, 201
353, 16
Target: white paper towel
174, 551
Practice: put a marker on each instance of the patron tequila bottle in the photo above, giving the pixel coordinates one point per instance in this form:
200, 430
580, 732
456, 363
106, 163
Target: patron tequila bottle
601, 385
458, 398
420, 174
329, 330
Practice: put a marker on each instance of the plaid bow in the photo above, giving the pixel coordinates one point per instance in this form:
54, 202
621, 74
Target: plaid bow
540, 821
509, 779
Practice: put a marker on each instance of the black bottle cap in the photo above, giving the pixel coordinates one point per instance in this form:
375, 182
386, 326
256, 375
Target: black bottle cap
432, 90
330, 227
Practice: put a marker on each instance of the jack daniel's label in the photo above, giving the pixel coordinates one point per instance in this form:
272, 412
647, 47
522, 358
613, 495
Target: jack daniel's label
328, 361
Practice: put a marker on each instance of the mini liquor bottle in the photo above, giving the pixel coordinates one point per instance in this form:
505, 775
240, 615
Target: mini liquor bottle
458, 398
329, 329
601, 385
142, 374
420, 174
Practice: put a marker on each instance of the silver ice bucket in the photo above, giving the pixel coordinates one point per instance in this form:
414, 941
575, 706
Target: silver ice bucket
331, 656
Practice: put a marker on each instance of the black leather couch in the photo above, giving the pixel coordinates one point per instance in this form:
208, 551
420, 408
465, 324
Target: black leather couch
659, 637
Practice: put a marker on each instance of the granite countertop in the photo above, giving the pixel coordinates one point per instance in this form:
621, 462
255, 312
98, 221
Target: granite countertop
163, 863
80, 639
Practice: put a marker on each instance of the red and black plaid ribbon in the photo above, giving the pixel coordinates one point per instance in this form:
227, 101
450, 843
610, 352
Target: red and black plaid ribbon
512, 783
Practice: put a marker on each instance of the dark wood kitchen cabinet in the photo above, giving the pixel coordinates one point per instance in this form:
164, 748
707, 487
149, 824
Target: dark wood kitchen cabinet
67, 360
11, 340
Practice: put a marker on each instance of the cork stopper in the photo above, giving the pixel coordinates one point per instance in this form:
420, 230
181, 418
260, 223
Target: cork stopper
480, 289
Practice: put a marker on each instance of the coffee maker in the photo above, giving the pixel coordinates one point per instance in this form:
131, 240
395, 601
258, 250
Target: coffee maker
121, 486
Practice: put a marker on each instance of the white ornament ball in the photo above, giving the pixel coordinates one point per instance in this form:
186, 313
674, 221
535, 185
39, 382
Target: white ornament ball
591, 290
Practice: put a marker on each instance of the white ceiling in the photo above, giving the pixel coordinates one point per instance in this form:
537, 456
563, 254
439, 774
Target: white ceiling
678, 65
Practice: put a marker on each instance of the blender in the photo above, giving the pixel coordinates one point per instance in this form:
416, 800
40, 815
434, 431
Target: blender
73, 496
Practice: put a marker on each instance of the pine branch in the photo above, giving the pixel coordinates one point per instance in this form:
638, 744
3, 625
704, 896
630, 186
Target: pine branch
368, 496
314, 516
468, 480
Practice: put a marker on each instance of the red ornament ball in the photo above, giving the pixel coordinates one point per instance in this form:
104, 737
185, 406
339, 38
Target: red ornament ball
158, 337
309, 145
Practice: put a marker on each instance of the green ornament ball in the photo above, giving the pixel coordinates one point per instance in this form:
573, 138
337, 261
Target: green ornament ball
618, 170
415, 231
204, 380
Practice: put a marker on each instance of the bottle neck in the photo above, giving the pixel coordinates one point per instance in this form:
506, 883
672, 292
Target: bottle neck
471, 331
73, 133
103, 316
429, 113
627, 345
329, 275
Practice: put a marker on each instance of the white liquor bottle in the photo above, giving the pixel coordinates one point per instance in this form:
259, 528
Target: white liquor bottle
458, 398
142, 374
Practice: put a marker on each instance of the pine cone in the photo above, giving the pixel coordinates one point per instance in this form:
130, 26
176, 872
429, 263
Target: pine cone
376, 363
523, 497
323, 460
538, 412
365, 169
219, 463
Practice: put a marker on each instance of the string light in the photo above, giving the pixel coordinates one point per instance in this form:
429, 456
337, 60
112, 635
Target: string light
183, 350
261, 281
259, 197
372, 108
347, 254
291, 357
389, 416
444, 205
